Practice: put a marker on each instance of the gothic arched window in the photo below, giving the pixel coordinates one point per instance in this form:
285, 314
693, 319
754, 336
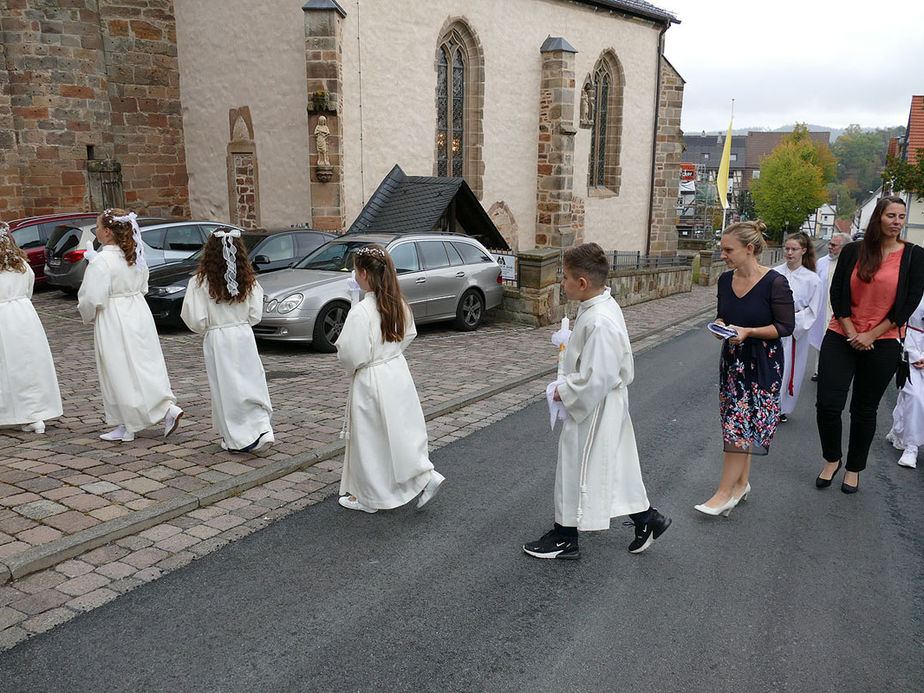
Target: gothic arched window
607, 83
459, 105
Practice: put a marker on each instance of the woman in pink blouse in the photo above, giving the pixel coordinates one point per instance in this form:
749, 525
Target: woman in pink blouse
878, 283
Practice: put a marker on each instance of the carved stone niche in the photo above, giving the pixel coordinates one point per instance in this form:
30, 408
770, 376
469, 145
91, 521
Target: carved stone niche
587, 104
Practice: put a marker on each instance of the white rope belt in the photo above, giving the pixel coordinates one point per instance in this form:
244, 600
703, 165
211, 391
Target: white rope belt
230, 324
347, 419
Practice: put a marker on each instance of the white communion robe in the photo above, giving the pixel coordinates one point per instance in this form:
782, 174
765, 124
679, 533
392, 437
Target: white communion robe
132, 373
241, 408
805, 286
386, 463
823, 312
908, 415
598, 475
28, 383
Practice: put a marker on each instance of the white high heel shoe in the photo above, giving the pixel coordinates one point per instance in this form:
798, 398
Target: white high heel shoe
744, 494
721, 510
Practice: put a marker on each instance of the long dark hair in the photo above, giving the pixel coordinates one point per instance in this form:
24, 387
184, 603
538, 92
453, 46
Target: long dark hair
384, 282
870, 256
212, 268
808, 260
122, 232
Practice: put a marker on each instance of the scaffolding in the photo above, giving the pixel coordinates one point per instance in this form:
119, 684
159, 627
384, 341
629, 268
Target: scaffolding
698, 206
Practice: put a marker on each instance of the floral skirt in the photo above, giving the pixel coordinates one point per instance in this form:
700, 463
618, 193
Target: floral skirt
750, 376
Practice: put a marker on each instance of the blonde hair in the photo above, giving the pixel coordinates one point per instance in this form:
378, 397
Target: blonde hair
11, 255
749, 233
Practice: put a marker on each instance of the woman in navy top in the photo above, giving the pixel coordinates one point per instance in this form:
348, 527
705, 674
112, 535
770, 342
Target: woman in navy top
757, 303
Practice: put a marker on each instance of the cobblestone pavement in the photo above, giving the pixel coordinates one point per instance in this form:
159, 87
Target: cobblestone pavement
68, 481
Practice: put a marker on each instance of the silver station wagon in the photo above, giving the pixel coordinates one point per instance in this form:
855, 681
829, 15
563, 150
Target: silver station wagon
442, 276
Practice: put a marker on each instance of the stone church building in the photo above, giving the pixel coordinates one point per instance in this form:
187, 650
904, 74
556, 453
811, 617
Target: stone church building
563, 116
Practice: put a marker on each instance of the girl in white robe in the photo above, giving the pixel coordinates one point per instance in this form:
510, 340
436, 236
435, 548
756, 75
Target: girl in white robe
907, 432
29, 391
799, 270
386, 463
132, 373
222, 301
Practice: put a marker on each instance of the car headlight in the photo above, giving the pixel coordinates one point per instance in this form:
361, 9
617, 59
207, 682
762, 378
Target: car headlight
167, 290
270, 306
289, 303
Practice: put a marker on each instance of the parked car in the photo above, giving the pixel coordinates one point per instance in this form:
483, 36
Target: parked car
32, 233
268, 251
164, 241
442, 276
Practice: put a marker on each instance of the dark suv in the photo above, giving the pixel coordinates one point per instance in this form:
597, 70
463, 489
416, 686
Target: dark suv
32, 234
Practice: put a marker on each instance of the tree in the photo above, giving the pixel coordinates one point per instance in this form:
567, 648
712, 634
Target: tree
745, 205
906, 177
839, 196
860, 156
792, 182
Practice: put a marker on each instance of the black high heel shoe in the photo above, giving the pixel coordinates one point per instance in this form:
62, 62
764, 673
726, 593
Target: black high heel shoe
824, 483
847, 488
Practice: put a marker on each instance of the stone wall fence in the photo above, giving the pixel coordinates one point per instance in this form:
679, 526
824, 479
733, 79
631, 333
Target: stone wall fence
538, 300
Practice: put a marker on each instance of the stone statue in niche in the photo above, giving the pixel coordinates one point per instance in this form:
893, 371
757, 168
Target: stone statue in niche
587, 105
321, 134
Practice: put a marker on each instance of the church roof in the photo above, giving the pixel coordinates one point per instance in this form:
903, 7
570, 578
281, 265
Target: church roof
415, 204
637, 7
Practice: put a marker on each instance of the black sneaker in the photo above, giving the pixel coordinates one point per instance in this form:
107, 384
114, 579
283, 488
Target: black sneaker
646, 534
783, 418
553, 545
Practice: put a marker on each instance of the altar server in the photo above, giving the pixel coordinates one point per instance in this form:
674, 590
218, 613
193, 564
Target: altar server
385, 463
132, 373
824, 268
222, 301
598, 476
799, 270
907, 432
29, 391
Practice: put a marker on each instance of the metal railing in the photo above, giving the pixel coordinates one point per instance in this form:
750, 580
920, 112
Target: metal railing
630, 259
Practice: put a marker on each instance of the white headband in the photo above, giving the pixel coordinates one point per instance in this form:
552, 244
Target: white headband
132, 218
4, 228
229, 252
370, 250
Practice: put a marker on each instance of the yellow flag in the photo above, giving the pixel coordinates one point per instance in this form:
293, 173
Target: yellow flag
722, 181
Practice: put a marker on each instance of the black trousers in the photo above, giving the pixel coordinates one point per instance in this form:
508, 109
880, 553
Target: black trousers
871, 372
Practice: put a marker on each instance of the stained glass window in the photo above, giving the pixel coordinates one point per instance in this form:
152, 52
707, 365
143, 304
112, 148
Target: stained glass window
603, 169
450, 128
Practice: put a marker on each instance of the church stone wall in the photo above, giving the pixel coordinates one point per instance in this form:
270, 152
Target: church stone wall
91, 80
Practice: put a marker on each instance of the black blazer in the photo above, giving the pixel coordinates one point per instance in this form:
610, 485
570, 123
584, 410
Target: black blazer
910, 282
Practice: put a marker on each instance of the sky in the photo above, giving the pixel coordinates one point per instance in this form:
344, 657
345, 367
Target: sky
822, 62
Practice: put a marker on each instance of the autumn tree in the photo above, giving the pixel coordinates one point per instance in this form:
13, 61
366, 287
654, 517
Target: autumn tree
792, 182
906, 177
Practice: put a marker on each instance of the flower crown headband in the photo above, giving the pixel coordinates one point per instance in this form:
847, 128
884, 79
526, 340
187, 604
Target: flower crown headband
377, 253
4, 229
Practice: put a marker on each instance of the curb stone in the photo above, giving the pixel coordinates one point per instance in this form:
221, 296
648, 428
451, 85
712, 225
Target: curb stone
54, 552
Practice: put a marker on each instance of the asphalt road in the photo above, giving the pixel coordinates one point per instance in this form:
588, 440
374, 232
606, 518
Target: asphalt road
798, 590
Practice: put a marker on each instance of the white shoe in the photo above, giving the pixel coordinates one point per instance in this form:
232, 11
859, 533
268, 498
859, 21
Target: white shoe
224, 445
265, 439
744, 494
721, 510
118, 434
172, 419
436, 480
353, 504
909, 458
37, 427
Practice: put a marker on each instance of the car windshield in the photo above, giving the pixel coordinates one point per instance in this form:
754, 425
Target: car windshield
336, 256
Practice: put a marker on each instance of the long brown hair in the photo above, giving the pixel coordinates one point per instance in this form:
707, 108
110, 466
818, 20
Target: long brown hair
384, 282
122, 232
808, 259
11, 255
212, 269
869, 258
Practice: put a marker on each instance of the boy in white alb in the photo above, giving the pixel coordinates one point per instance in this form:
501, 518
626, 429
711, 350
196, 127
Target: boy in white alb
598, 475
